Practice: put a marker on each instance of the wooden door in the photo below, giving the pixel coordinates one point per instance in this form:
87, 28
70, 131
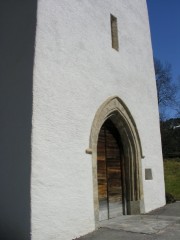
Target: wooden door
109, 164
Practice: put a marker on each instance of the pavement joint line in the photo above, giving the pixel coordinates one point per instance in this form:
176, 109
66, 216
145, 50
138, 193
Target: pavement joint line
163, 229
163, 224
122, 230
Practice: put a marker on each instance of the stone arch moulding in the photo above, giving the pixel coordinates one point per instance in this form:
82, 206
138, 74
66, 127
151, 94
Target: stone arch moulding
115, 109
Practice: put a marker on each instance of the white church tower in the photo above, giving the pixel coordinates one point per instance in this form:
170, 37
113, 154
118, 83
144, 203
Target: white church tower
90, 118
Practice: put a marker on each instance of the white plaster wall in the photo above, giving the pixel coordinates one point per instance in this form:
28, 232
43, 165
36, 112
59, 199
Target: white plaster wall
75, 71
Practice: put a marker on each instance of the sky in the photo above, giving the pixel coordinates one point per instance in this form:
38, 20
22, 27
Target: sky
164, 17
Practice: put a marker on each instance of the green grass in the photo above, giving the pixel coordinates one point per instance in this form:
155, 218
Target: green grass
172, 177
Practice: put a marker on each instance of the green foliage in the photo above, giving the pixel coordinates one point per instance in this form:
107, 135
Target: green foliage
172, 177
170, 135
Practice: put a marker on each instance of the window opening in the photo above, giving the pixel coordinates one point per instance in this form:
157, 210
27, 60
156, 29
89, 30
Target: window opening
114, 33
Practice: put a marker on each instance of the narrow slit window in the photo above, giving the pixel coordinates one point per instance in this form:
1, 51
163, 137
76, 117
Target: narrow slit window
114, 33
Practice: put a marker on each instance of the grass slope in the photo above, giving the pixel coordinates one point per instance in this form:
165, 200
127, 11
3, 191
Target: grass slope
172, 177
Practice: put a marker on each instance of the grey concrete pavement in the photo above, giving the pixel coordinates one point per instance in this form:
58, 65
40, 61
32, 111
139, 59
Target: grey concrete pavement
161, 224
172, 209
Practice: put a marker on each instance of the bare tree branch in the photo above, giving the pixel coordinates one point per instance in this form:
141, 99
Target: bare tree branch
166, 90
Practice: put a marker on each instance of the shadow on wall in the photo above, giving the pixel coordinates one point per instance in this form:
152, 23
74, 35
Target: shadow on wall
17, 36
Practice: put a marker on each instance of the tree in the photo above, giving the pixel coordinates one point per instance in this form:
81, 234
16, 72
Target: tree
166, 90
170, 135
177, 107
167, 93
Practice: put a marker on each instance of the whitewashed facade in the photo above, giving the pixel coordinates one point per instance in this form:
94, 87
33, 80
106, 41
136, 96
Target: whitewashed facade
75, 71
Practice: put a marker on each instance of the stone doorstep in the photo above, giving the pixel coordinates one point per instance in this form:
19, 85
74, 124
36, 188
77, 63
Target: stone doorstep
147, 224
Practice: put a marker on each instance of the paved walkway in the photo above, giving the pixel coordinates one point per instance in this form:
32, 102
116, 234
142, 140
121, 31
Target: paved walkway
161, 224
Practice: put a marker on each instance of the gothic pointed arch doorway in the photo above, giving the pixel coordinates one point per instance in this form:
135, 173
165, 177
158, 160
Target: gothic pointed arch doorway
110, 172
116, 157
